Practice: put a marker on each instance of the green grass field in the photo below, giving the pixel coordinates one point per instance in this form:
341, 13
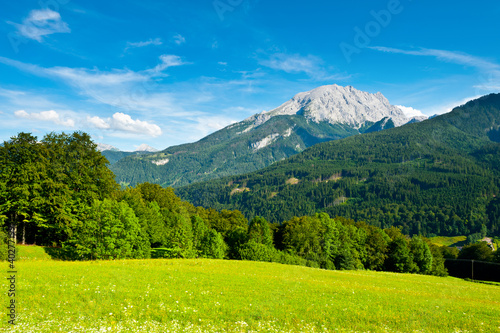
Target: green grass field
161, 295
449, 241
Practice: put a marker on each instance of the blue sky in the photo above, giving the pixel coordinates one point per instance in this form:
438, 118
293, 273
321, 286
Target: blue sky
169, 72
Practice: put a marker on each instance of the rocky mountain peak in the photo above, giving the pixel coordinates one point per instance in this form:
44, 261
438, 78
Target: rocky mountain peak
146, 148
336, 104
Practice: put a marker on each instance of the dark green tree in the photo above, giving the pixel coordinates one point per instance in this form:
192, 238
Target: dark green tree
259, 231
23, 169
438, 259
179, 239
376, 247
477, 251
421, 254
399, 257
235, 239
213, 245
207, 242
227, 220
303, 236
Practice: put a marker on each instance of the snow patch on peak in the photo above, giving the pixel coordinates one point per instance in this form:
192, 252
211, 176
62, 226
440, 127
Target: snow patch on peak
145, 147
104, 146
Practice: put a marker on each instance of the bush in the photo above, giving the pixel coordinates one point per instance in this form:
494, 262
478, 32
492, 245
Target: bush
257, 252
167, 253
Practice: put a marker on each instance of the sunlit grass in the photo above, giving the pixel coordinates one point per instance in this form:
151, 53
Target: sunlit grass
30, 252
237, 296
448, 241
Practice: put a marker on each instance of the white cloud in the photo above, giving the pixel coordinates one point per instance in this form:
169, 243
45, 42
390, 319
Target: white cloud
40, 23
98, 122
179, 39
156, 41
125, 123
167, 60
411, 112
51, 116
122, 122
22, 114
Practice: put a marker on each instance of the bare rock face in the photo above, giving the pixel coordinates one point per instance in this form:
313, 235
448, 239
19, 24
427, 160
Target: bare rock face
337, 105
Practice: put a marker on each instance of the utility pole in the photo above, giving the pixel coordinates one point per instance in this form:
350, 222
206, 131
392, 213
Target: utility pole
472, 270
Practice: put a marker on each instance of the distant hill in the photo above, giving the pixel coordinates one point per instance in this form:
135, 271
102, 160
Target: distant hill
437, 177
114, 154
323, 114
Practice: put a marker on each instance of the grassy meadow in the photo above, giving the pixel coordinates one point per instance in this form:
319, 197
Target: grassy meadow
449, 241
200, 295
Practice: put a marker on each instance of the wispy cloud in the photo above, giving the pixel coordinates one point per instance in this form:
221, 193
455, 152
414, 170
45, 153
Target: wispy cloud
293, 63
50, 116
123, 88
156, 42
40, 23
205, 125
444, 55
489, 79
122, 122
449, 106
296, 63
17, 99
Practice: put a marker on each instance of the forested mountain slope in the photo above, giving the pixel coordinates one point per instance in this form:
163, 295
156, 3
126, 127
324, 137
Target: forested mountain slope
440, 176
323, 114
